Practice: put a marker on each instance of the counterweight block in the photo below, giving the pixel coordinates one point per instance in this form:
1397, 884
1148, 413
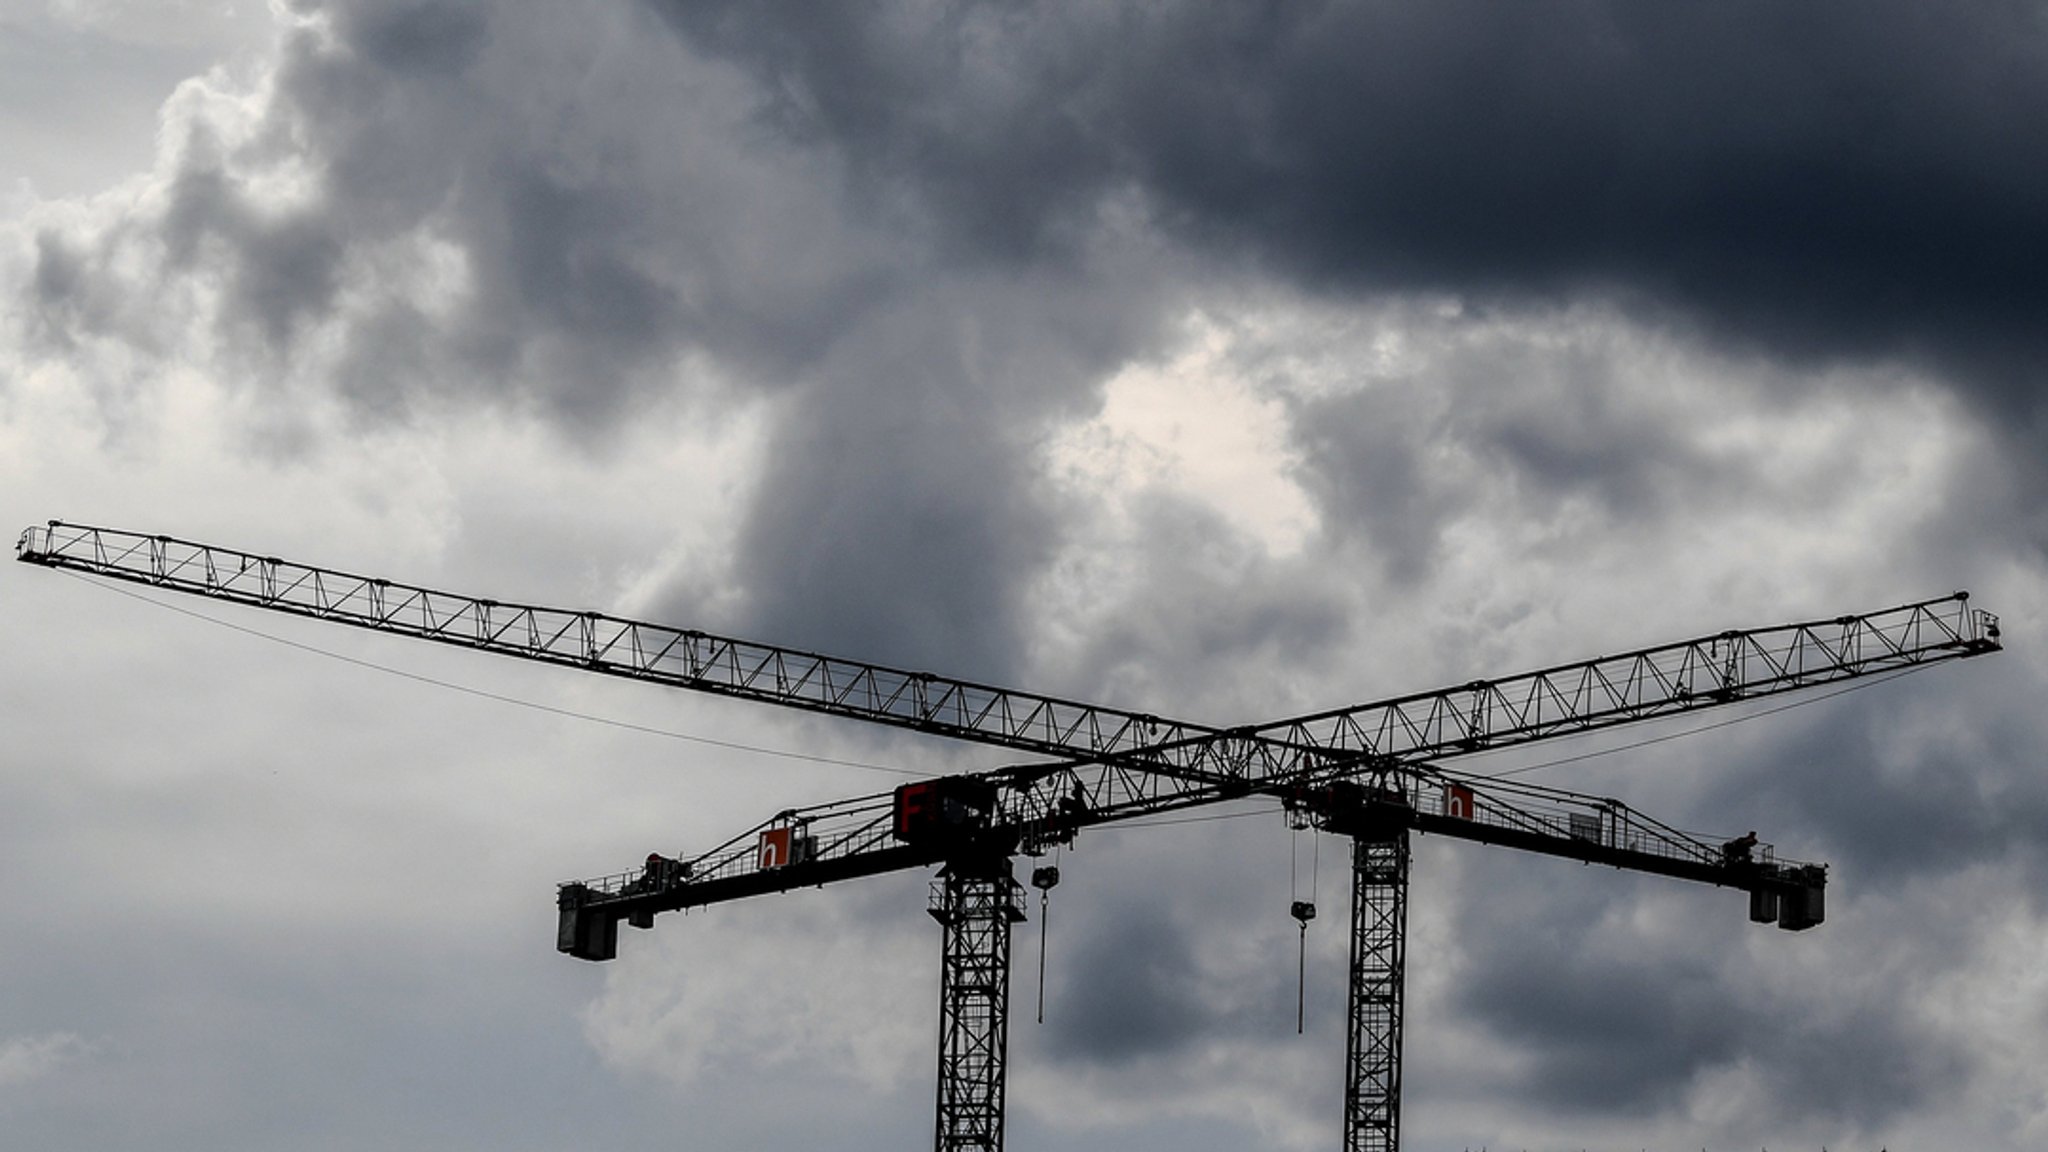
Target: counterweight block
1793, 898
585, 932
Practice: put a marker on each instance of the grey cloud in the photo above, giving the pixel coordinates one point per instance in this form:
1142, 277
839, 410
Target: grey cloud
908, 229
58, 287
1832, 182
81, 84
897, 531
1839, 185
1138, 994
985, 118
417, 39
904, 515
1896, 788
1493, 423
1911, 794
1202, 598
598, 225
1365, 458
1907, 799
594, 230
282, 272
1634, 1031
1145, 989
1623, 1020
1616, 1034
868, 165
211, 1047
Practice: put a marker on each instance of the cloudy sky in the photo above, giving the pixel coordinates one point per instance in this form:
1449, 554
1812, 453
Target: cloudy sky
1214, 361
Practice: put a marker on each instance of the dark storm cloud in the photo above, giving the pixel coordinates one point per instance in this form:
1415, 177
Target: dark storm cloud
776, 189
596, 219
986, 116
554, 213
1630, 1032
1144, 988
1822, 181
901, 224
904, 512
1614, 1033
1206, 597
1622, 1019
1548, 427
895, 526
420, 39
1912, 782
1922, 799
576, 299
284, 272
1364, 457
1138, 991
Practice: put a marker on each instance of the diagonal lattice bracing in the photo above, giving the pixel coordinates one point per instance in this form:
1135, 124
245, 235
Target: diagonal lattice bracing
975, 905
1379, 948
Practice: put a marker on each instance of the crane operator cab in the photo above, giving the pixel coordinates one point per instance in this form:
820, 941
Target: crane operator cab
947, 808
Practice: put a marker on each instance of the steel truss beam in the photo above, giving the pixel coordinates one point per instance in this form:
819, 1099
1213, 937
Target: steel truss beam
1379, 954
1114, 757
975, 902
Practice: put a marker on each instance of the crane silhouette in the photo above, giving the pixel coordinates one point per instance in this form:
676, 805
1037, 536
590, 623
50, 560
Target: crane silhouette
1375, 773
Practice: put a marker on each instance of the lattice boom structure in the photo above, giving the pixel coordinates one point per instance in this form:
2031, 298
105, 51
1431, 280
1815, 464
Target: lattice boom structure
1373, 772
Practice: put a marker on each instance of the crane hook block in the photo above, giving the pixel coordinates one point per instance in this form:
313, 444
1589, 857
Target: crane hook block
1303, 910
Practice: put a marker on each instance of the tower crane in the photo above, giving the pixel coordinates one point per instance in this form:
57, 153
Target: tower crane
1374, 772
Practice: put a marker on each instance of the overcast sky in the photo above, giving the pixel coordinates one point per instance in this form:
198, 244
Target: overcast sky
1214, 361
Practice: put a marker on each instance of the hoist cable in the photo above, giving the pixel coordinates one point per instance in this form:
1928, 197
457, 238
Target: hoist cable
552, 709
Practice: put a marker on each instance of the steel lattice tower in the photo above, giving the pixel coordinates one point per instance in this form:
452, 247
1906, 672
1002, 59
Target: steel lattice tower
1379, 949
976, 904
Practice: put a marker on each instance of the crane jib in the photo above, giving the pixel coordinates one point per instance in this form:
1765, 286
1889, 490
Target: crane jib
1435, 725
1112, 763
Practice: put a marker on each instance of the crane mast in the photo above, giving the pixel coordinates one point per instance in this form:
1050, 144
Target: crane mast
1374, 772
